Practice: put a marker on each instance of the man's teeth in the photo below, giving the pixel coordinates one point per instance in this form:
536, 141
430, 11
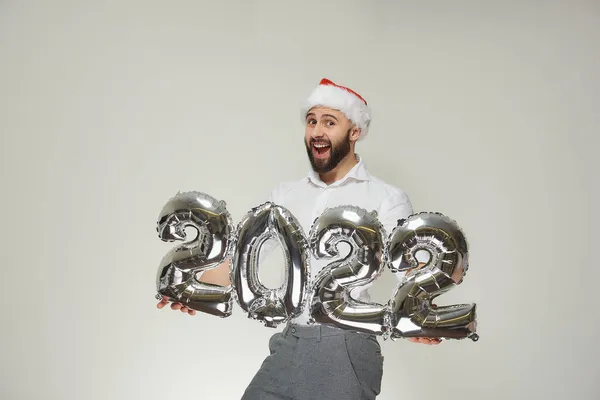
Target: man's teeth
320, 146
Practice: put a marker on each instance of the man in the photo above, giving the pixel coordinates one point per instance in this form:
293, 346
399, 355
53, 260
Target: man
317, 361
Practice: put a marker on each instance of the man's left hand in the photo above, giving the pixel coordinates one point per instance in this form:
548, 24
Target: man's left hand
425, 340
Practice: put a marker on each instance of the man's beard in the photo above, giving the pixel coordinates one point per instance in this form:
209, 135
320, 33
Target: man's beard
337, 152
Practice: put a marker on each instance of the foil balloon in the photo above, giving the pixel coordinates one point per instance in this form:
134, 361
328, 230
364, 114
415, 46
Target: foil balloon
331, 301
411, 313
271, 306
181, 268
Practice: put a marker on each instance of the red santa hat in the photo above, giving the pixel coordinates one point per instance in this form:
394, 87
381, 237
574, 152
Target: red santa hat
353, 105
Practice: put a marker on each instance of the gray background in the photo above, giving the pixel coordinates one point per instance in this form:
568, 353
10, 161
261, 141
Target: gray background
485, 111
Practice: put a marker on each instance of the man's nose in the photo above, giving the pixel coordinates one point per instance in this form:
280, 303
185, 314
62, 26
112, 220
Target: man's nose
317, 131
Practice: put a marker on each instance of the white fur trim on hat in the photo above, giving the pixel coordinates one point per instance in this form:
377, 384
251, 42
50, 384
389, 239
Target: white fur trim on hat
330, 95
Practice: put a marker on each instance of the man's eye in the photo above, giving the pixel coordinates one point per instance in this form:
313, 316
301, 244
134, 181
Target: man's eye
311, 121
330, 123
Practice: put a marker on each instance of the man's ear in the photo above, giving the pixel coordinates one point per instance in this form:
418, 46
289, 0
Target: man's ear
355, 133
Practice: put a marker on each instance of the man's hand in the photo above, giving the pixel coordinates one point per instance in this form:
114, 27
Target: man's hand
175, 306
425, 340
217, 276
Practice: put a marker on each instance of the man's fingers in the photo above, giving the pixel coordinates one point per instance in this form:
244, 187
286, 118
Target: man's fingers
175, 306
425, 340
163, 302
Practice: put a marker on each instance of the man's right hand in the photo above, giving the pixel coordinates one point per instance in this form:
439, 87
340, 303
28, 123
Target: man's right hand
175, 306
217, 276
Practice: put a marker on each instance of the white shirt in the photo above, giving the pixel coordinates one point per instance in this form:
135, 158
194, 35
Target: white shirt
308, 198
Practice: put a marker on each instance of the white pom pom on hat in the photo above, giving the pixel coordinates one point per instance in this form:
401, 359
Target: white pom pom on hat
347, 101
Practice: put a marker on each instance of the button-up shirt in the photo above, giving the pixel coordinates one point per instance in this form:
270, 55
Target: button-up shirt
308, 198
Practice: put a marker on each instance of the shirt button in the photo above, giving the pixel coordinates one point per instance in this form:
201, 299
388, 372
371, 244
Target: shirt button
293, 330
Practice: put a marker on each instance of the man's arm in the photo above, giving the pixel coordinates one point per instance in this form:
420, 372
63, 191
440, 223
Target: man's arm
220, 275
217, 276
395, 207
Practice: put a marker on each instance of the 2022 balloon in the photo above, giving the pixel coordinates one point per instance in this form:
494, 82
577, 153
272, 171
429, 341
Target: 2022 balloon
408, 313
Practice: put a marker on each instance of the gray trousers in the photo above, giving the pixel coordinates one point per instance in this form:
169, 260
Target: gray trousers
318, 362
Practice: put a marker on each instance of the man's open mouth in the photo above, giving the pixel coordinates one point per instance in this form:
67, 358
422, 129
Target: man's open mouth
320, 149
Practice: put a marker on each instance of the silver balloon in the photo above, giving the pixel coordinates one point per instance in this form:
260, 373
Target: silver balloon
331, 301
271, 306
183, 265
411, 311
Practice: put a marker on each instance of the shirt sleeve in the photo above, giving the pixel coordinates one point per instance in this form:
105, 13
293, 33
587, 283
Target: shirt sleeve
395, 207
274, 195
269, 246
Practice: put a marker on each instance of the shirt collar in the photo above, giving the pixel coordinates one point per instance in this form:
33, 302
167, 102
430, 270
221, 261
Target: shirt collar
359, 172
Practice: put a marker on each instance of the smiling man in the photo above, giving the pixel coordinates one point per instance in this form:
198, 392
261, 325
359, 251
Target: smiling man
314, 361
331, 133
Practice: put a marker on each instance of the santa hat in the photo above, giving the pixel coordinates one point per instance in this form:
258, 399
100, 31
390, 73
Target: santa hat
353, 105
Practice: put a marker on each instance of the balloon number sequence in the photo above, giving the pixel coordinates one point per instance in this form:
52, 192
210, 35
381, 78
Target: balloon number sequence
408, 313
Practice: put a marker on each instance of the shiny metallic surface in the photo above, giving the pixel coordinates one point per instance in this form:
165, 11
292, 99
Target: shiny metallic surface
182, 266
411, 311
331, 302
271, 306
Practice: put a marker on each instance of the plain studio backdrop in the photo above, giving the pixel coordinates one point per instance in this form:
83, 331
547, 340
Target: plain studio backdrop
485, 111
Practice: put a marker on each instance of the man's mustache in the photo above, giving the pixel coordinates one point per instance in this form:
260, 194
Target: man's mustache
313, 141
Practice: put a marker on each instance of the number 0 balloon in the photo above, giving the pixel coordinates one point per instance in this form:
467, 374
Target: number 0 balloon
271, 306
